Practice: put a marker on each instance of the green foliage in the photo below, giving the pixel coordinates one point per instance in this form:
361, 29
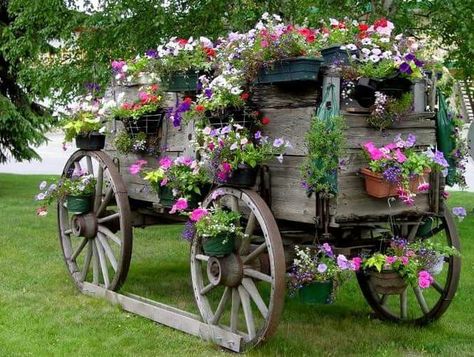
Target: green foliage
218, 222
83, 123
126, 143
382, 69
325, 143
390, 111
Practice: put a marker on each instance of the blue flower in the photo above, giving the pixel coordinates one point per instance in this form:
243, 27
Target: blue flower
459, 212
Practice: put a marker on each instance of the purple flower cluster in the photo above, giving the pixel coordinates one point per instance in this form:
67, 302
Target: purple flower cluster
176, 114
392, 174
188, 231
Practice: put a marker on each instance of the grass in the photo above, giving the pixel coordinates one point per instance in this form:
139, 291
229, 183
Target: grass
42, 314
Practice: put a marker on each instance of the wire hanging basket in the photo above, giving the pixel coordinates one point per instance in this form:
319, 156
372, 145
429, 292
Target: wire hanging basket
148, 124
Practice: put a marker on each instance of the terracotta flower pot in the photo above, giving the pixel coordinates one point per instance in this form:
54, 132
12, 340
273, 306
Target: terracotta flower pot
377, 186
387, 282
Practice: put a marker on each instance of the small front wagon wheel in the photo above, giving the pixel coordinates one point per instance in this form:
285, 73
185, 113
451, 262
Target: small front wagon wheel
244, 291
97, 245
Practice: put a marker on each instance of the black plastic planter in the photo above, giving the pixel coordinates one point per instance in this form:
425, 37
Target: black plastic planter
364, 91
91, 142
290, 70
395, 86
334, 55
148, 124
244, 176
182, 82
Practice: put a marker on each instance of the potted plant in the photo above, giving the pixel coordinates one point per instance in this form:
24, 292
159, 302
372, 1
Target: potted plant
126, 143
337, 42
84, 123
76, 192
397, 169
388, 110
404, 263
325, 145
184, 177
234, 154
181, 61
144, 114
218, 230
315, 273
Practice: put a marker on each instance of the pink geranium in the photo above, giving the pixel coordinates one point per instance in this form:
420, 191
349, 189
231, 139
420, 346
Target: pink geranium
424, 279
197, 214
180, 205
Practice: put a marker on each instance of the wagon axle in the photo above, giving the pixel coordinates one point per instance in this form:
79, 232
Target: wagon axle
84, 225
227, 271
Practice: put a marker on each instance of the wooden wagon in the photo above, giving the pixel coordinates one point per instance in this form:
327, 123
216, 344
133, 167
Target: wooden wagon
240, 297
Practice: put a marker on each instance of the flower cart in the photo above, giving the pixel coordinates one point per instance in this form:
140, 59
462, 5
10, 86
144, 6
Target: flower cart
240, 295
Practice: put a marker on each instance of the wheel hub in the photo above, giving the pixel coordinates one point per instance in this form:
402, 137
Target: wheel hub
227, 271
84, 225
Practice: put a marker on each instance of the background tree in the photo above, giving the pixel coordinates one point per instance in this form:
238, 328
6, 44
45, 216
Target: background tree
48, 48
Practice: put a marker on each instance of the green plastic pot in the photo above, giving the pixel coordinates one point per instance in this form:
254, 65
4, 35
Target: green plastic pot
79, 204
219, 246
317, 293
290, 70
182, 82
166, 196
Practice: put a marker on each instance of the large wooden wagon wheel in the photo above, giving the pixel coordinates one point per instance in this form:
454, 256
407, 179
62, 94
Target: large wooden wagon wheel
244, 291
418, 305
97, 246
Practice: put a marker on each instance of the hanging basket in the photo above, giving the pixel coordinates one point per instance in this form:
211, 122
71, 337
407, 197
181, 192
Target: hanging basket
79, 204
182, 82
148, 124
317, 293
334, 55
219, 246
244, 176
387, 282
377, 186
221, 118
91, 141
290, 70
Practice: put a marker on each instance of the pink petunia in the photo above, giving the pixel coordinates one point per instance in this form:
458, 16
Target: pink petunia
180, 205
356, 263
197, 214
135, 168
373, 151
390, 260
166, 162
424, 279
401, 158
404, 260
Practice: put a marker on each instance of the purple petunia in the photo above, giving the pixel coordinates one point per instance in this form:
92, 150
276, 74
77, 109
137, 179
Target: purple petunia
459, 212
410, 57
151, 53
322, 268
208, 93
405, 68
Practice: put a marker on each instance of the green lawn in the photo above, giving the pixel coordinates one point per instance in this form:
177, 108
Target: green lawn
42, 314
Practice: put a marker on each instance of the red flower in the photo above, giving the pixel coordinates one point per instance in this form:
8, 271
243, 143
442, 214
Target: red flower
289, 28
265, 120
187, 100
182, 41
363, 27
341, 25
199, 108
137, 106
308, 34
127, 106
210, 52
154, 87
380, 23
244, 96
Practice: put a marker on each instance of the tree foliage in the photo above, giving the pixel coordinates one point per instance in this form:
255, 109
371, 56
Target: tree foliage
48, 48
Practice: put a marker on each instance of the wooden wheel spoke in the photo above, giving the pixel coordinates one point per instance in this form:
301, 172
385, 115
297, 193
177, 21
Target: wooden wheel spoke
257, 275
79, 249
90, 168
95, 264
404, 304
234, 313
249, 229
108, 218
108, 250
383, 299
437, 287
202, 257
259, 250
249, 285
87, 261
245, 299
98, 188
220, 308
421, 300
207, 288
108, 233
234, 204
103, 263
67, 231
105, 201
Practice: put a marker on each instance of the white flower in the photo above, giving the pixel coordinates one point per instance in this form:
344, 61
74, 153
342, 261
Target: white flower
374, 58
351, 47
205, 42
366, 41
365, 51
385, 39
188, 47
387, 54
265, 16
234, 146
280, 158
333, 22
42, 185
102, 130
206, 130
236, 90
244, 141
376, 51
277, 17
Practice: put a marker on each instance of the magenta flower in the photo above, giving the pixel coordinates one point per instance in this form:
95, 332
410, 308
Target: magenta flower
424, 279
390, 260
424, 187
404, 260
180, 205
197, 214
135, 168
356, 263
373, 151
184, 160
166, 162
401, 158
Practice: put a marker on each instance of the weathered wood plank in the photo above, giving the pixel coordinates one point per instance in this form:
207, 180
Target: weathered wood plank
297, 96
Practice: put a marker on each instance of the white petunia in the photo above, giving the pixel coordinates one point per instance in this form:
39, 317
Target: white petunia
374, 58
236, 90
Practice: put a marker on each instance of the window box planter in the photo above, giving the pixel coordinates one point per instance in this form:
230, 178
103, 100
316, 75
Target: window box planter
91, 141
244, 176
334, 55
148, 123
377, 186
219, 246
79, 204
181, 82
290, 70
317, 293
387, 282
